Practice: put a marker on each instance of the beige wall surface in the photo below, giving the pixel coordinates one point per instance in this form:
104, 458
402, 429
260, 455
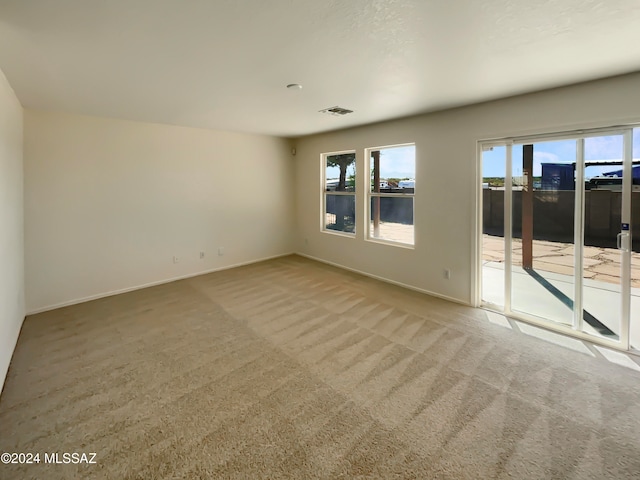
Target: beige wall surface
109, 203
12, 307
446, 178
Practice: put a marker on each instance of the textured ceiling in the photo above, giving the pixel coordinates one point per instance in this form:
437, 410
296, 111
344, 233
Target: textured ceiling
224, 64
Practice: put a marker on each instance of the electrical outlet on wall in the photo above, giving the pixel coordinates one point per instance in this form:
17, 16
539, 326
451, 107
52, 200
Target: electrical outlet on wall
175, 259
447, 273
220, 251
201, 255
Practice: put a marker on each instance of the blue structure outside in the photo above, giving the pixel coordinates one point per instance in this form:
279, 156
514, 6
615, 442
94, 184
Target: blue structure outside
558, 176
618, 173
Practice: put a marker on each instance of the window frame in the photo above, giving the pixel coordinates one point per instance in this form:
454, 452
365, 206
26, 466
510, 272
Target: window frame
370, 194
324, 192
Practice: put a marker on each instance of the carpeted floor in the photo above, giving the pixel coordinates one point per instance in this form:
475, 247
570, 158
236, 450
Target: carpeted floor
294, 369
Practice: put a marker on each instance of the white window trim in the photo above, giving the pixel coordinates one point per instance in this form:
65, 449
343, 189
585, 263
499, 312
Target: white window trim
368, 194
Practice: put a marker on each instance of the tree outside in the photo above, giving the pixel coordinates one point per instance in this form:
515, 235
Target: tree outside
343, 162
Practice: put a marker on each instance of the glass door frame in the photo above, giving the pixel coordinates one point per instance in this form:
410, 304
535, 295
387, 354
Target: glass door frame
575, 330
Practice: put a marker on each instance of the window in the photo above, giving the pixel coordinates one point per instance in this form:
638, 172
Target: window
390, 193
339, 211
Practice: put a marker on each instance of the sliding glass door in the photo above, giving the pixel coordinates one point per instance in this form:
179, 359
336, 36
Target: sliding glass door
606, 236
542, 224
634, 306
556, 243
494, 172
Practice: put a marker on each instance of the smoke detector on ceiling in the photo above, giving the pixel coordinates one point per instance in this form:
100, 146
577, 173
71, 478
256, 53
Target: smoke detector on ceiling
339, 111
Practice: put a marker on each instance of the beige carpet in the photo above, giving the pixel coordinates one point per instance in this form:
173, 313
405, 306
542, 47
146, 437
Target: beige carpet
294, 369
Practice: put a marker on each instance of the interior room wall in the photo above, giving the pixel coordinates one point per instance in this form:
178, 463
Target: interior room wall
12, 307
110, 203
446, 181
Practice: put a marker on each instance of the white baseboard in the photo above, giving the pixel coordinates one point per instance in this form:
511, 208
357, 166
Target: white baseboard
151, 284
387, 280
227, 267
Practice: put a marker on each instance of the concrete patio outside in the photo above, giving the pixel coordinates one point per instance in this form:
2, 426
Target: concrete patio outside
553, 264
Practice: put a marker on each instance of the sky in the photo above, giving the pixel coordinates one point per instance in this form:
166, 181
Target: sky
563, 151
395, 162
399, 162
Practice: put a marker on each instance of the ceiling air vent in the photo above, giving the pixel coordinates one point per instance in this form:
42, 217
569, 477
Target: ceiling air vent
336, 111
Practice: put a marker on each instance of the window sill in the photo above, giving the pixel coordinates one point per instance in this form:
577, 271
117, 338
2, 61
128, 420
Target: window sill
391, 243
339, 233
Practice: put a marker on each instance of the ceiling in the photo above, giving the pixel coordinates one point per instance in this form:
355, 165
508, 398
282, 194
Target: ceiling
224, 64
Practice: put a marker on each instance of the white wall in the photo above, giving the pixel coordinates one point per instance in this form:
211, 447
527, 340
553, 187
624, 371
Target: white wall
11, 224
446, 162
109, 203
